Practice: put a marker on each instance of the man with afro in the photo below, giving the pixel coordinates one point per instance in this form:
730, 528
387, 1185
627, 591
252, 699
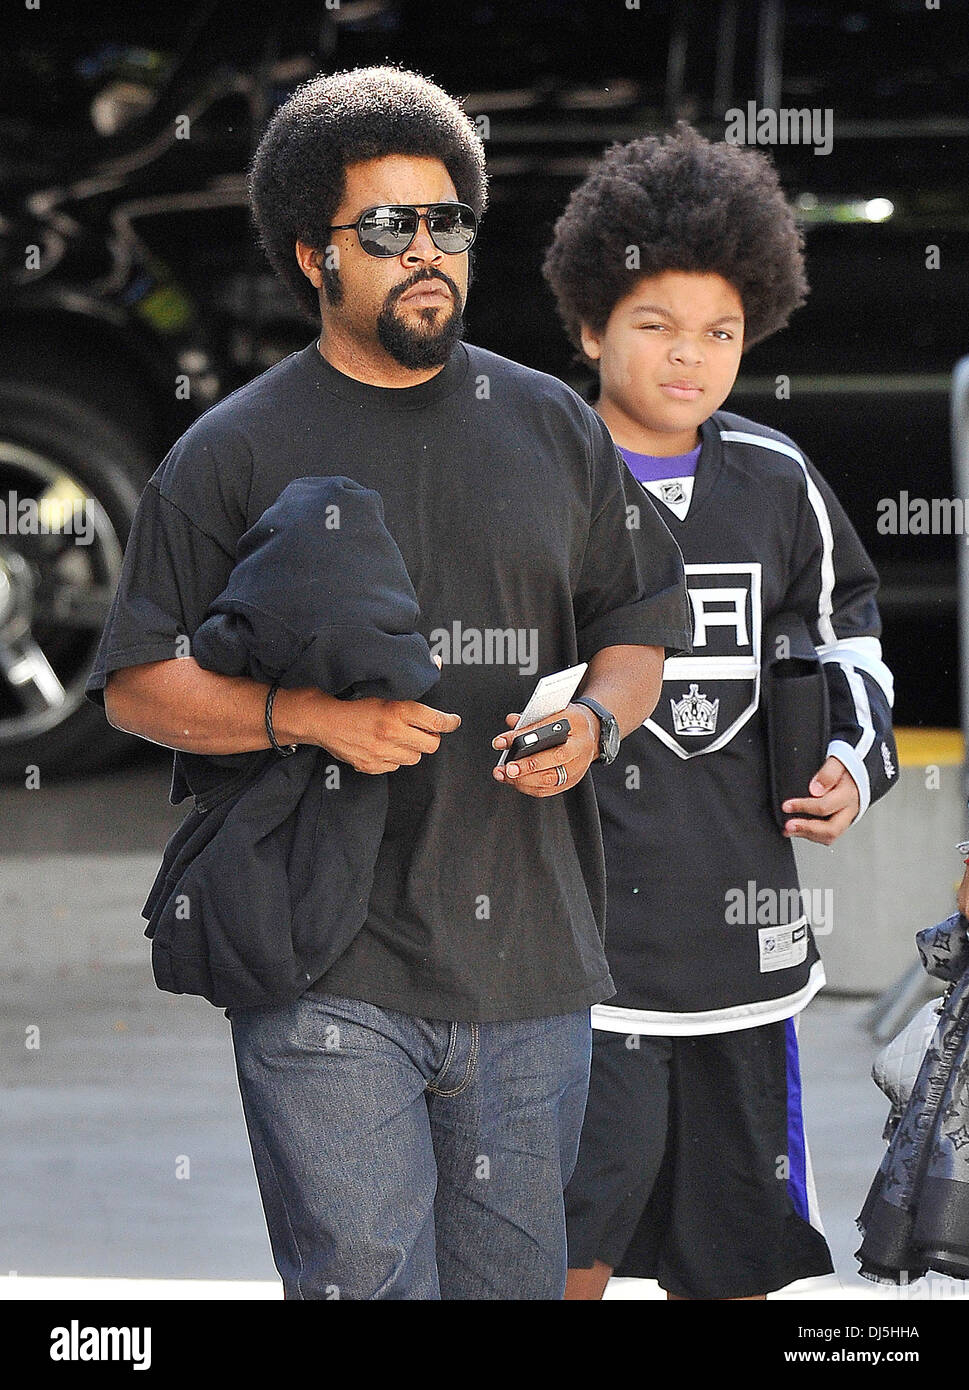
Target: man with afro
414, 1113
672, 258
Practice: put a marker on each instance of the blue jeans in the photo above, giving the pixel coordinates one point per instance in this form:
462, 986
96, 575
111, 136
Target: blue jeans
410, 1158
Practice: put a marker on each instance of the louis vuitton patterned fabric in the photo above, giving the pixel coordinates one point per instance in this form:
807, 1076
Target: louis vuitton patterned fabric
916, 1215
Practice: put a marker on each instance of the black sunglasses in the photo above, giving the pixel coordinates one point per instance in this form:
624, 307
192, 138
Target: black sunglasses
389, 229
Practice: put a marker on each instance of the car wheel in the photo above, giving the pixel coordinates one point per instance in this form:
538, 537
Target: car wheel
70, 478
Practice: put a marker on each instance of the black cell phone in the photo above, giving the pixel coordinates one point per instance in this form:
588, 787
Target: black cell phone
535, 740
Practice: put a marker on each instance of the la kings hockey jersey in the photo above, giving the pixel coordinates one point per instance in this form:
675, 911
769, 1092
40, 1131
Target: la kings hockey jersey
694, 944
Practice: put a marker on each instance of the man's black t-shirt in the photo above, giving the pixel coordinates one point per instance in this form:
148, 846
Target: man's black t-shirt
508, 500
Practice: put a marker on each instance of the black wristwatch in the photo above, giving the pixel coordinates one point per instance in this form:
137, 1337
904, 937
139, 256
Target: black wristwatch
608, 728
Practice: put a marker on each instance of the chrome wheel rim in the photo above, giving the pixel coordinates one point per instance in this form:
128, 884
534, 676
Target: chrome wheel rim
60, 558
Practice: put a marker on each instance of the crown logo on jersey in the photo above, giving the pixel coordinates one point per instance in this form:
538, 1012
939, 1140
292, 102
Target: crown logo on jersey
695, 714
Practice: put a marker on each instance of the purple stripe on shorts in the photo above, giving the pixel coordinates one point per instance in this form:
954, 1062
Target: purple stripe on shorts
797, 1176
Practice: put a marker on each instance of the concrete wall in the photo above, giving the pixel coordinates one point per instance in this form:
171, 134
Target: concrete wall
894, 872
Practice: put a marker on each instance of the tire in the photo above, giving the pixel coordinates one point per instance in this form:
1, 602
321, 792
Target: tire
49, 627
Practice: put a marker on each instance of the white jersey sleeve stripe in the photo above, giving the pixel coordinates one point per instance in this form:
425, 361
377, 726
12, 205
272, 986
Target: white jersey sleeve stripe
839, 749
825, 606
863, 653
854, 757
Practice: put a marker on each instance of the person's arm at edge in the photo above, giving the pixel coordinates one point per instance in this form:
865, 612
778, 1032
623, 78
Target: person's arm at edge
179, 704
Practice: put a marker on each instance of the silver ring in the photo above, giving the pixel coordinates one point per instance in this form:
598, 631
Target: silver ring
561, 776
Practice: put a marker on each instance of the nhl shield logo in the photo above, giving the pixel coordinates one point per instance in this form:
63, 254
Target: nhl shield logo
672, 491
709, 696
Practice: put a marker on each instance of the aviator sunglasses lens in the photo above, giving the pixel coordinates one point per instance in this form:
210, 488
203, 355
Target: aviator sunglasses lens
388, 231
452, 227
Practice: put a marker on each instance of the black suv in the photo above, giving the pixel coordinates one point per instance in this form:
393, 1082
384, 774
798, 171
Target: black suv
134, 295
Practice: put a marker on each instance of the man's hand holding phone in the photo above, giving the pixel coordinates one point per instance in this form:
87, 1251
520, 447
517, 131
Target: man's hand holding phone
551, 769
536, 773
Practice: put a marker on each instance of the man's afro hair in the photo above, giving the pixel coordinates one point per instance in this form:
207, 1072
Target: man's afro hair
297, 176
686, 204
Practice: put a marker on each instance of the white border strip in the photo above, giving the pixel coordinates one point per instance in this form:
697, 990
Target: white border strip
31, 1288
655, 1023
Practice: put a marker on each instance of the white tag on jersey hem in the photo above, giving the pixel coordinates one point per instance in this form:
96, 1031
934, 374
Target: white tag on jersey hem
782, 947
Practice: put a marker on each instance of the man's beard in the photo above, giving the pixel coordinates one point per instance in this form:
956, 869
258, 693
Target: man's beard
429, 346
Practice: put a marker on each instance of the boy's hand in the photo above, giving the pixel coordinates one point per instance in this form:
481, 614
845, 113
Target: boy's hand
535, 775
834, 795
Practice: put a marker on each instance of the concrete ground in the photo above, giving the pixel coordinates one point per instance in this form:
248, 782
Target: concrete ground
123, 1152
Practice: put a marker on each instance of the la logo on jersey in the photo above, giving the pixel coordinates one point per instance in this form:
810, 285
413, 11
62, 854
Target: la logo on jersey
708, 697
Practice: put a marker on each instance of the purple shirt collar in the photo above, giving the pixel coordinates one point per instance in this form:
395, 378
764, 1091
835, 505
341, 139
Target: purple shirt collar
651, 468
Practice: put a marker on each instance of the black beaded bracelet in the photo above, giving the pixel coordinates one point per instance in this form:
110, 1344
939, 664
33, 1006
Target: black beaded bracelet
290, 747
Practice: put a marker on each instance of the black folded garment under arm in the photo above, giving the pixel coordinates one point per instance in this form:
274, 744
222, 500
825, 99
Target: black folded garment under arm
795, 697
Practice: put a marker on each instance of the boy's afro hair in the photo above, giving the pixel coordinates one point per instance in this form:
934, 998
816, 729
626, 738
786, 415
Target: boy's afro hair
686, 204
297, 175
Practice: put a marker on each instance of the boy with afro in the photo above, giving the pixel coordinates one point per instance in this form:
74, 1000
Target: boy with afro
672, 258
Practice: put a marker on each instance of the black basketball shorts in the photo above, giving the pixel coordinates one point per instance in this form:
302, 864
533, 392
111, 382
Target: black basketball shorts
693, 1168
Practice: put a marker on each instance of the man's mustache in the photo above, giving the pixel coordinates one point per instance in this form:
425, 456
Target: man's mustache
401, 289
